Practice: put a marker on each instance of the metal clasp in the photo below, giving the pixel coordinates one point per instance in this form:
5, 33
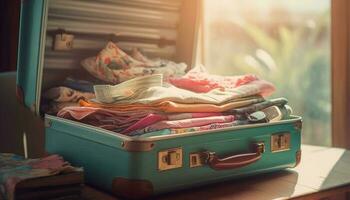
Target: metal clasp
170, 159
260, 147
280, 142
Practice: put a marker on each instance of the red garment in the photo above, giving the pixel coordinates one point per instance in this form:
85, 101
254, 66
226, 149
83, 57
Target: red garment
154, 118
103, 118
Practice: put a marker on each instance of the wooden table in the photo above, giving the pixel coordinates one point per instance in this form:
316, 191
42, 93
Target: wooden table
324, 173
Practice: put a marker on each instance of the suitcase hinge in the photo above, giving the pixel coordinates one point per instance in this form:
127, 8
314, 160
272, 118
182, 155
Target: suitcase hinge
298, 125
19, 94
48, 123
297, 158
137, 146
33, 108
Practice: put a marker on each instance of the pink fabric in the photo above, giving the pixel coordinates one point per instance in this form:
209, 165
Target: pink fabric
153, 118
199, 80
104, 118
148, 120
52, 162
185, 123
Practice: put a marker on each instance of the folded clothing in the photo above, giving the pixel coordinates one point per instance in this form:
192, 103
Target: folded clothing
54, 107
169, 131
112, 65
258, 106
173, 107
165, 129
14, 169
213, 126
153, 118
128, 89
133, 119
260, 115
65, 94
184, 123
178, 95
126, 122
115, 120
199, 80
141, 103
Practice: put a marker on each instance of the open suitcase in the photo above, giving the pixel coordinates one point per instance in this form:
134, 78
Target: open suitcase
118, 163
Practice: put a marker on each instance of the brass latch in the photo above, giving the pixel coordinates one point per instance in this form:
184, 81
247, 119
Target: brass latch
170, 159
280, 142
197, 159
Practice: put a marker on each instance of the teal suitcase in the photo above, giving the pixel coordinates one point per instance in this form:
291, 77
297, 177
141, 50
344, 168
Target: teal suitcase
140, 167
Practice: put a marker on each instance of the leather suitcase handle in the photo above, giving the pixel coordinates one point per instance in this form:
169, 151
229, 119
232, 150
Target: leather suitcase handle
235, 161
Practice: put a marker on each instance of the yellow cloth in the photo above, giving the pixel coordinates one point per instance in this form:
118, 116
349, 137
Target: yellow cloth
173, 107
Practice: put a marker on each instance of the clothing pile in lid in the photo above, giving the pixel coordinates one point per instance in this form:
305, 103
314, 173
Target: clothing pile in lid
111, 65
150, 97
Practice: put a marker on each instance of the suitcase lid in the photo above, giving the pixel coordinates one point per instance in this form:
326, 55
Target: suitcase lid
34, 37
30, 50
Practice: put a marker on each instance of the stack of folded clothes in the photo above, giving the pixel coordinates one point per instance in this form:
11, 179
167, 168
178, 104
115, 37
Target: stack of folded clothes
195, 102
156, 97
45, 178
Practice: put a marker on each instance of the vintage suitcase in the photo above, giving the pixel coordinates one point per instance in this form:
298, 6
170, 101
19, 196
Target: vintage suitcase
118, 163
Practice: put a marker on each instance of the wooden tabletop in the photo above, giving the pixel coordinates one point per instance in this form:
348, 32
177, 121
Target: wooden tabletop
323, 173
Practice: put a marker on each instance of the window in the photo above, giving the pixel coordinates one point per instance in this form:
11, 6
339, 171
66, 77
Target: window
286, 42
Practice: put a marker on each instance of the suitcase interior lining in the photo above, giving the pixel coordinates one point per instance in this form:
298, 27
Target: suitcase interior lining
134, 24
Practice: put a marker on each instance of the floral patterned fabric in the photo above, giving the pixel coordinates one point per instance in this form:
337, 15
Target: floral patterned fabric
114, 58
113, 65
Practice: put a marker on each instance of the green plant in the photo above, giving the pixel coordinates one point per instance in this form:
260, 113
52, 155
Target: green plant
297, 60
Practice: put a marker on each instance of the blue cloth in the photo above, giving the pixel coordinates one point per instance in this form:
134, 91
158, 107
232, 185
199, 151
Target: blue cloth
154, 133
80, 85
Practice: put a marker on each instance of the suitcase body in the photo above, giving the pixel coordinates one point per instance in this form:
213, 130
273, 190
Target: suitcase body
138, 167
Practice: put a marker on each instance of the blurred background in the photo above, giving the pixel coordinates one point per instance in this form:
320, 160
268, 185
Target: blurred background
285, 42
